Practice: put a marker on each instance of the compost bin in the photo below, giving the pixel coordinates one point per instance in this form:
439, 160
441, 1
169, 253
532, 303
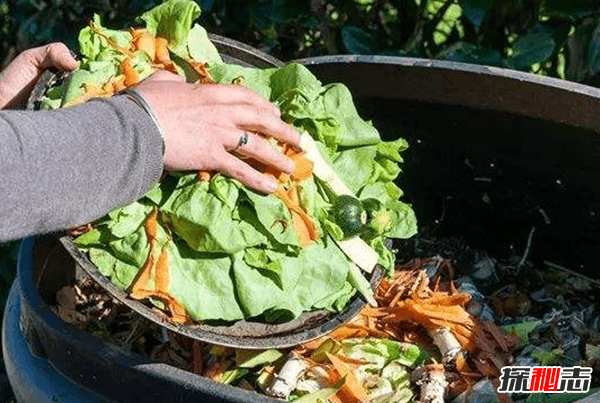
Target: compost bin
494, 153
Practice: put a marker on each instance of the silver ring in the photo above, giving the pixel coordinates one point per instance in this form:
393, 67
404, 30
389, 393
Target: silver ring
244, 138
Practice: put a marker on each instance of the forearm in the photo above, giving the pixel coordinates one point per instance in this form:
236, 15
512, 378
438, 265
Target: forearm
64, 168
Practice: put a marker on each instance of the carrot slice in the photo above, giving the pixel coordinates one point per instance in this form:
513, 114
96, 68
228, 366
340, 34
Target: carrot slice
303, 167
141, 280
132, 77
304, 226
157, 268
146, 42
161, 271
108, 88
352, 384
204, 176
151, 227
202, 70
161, 49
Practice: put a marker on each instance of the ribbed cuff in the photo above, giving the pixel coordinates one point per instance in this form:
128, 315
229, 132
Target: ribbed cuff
148, 132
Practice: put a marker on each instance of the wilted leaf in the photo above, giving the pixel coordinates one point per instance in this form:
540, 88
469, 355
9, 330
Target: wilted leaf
359, 42
353, 385
330, 346
253, 358
523, 329
233, 375
322, 395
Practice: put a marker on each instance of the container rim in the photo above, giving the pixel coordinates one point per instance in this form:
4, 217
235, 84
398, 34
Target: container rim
474, 86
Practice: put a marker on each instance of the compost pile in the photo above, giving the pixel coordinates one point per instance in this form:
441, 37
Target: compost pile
435, 333
203, 247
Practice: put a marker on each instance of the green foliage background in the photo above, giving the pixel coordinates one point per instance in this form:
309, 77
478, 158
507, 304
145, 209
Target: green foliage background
558, 38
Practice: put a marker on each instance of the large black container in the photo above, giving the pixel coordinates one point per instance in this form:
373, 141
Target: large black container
493, 154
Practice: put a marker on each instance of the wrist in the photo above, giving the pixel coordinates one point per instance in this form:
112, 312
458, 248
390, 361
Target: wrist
137, 98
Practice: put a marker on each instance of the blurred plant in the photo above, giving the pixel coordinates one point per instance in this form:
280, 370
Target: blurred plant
559, 38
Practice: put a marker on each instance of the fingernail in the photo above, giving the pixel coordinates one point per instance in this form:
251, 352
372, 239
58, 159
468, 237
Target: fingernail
289, 166
270, 185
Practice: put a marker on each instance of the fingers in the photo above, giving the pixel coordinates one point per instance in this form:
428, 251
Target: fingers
252, 112
260, 150
234, 95
54, 55
203, 125
270, 125
238, 169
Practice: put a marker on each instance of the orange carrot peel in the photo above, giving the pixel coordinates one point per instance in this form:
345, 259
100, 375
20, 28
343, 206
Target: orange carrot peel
289, 192
353, 390
407, 303
152, 281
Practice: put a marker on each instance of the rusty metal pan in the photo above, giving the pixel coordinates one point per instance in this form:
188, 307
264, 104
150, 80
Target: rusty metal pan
240, 334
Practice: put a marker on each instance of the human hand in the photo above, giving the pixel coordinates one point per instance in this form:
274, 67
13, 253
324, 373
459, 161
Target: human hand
203, 124
19, 78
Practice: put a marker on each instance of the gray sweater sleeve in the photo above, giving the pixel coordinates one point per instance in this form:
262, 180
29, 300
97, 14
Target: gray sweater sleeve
64, 168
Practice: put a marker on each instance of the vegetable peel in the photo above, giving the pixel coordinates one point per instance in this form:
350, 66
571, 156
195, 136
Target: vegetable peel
408, 300
352, 386
156, 270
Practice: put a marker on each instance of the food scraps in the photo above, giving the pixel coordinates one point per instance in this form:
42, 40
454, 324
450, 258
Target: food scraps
390, 359
201, 246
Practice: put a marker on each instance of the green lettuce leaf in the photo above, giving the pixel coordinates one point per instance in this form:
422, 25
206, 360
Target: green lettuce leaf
128, 219
337, 101
255, 79
121, 273
274, 217
200, 48
203, 283
75, 83
172, 20
317, 273
354, 166
94, 43
204, 220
